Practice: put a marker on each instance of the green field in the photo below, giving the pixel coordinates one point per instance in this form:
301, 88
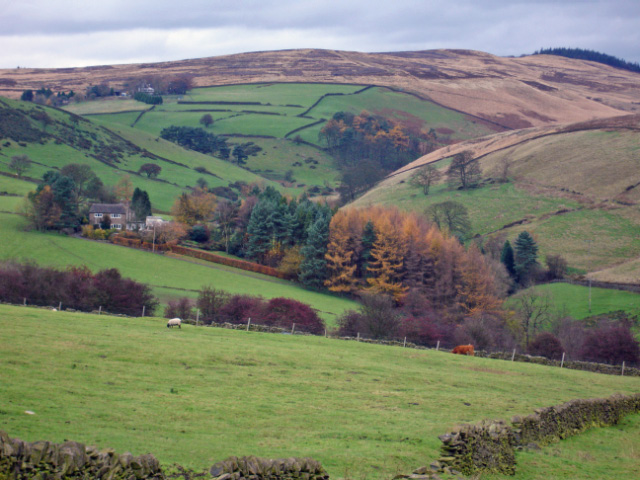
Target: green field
170, 278
197, 395
574, 300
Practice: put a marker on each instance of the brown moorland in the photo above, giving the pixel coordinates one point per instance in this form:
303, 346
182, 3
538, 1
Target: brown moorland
512, 92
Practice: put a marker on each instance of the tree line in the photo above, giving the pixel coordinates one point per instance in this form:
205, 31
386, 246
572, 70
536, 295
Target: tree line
591, 55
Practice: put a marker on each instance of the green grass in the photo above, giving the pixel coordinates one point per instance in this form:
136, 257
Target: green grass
601, 453
574, 300
197, 395
178, 277
15, 185
278, 94
107, 105
402, 107
490, 207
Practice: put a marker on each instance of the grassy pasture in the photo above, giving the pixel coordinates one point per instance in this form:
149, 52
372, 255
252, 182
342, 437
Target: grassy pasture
402, 107
601, 453
198, 395
106, 105
574, 300
278, 94
171, 277
15, 185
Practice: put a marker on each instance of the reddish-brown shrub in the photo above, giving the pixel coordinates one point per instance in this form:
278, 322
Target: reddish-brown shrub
546, 345
180, 308
284, 312
484, 332
240, 308
421, 330
349, 323
611, 343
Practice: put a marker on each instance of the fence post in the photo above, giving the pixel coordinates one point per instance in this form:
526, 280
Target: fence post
60, 306
248, 323
197, 316
622, 368
143, 309
100, 310
562, 362
293, 328
24, 301
325, 333
405, 342
438, 346
358, 337
513, 355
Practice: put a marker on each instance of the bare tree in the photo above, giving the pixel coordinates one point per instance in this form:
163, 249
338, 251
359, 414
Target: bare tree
226, 215
20, 164
535, 308
464, 171
425, 177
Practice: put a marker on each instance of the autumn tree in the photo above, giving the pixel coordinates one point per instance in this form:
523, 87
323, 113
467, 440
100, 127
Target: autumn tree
387, 259
341, 256
477, 292
151, 170
226, 216
206, 120
42, 210
195, 207
123, 190
20, 164
464, 171
425, 177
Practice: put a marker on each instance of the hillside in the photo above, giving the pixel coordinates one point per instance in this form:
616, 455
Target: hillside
573, 186
510, 92
52, 138
197, 395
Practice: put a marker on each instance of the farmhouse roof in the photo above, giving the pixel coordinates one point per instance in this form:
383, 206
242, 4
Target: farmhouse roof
108, 208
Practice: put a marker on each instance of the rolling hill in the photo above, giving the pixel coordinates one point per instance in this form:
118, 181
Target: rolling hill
509, 92
573, 186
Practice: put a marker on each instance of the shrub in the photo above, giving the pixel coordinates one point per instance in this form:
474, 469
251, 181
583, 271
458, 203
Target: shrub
547, 345
210, 302
199, 233
181, 308
484, 332
379, 318
611, 343
284, 312
240, 308
349, 323
76, 288
420, 330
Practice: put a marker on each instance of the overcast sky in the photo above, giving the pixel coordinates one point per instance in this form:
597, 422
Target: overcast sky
66, 33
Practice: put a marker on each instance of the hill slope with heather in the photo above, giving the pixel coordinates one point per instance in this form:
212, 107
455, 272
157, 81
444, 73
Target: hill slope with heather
510, 92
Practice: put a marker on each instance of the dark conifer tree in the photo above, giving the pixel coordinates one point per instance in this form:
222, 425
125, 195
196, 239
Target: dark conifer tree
313, 269
260, 230
507, 259
526, 257
367, 241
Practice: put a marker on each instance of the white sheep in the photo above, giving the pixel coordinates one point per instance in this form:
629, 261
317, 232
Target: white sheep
174, 322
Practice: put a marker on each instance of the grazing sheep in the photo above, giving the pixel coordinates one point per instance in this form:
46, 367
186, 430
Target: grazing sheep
174, 322
464, 350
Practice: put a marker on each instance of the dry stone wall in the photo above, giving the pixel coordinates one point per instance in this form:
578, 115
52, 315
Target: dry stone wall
490, 446
21, 460
254, 468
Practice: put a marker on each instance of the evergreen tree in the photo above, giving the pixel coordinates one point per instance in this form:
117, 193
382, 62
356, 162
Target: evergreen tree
508, 260
367, 241
140, 204
260, 230
526, 256
313, 269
